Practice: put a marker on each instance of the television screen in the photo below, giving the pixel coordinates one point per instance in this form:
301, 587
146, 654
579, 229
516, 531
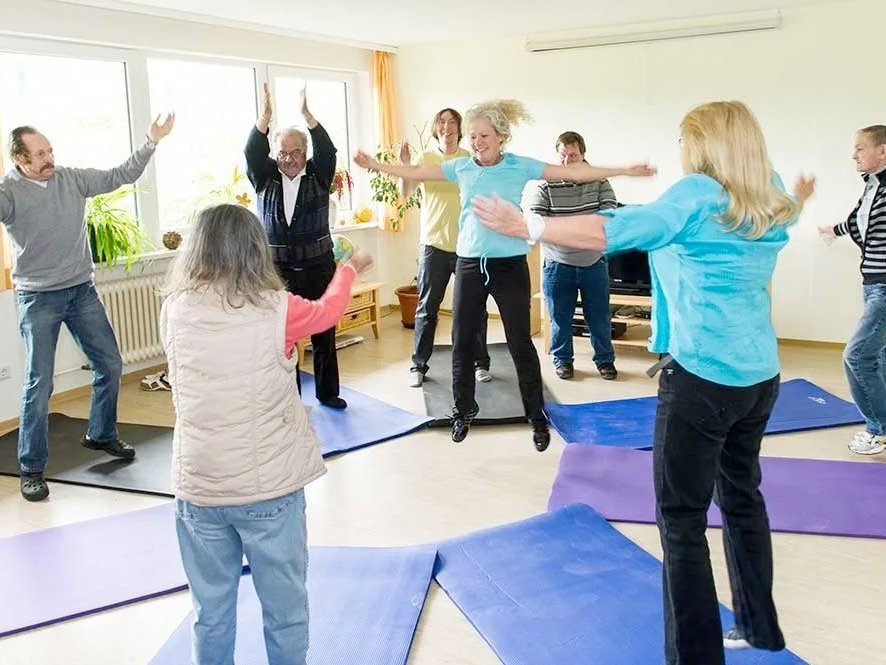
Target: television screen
629, 273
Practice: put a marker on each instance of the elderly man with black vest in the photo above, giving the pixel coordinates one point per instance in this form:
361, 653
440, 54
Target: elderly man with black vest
293, 205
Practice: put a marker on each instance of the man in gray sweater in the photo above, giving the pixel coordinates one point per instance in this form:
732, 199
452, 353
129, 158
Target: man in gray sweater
42, 207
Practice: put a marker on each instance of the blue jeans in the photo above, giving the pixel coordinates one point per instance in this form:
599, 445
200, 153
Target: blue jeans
41, 314
561, 284
273, 536
865, 360
707, 445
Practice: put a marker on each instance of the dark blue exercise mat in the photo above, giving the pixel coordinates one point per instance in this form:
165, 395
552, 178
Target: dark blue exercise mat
366, 420
64, 572
364, 607
628, 423
566, 587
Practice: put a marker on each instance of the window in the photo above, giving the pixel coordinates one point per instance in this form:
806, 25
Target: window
327, 101
92, 128
202, 161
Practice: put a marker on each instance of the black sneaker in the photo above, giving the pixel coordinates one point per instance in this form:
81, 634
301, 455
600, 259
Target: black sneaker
565, 371
34, 487
733, 639
608, 371
334, 403
461, 424
541, 436
114, 447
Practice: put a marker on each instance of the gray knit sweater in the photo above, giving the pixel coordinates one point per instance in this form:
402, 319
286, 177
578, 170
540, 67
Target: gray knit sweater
46, 224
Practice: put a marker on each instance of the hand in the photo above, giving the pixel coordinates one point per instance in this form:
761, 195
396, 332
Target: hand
364, 161
827, 234
267, 109
303, 101
405, 155
360, 261
500, 216
804, 188
640, 170
158, 130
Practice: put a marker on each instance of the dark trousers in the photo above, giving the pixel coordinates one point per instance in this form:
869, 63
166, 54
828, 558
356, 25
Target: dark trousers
507, 281
435, 267
707, 444
310, 280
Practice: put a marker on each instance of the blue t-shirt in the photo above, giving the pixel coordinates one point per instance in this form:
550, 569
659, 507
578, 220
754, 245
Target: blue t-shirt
507, 179
710, 304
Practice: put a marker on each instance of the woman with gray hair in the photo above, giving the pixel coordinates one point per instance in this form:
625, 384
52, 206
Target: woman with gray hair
490, 263
242, 449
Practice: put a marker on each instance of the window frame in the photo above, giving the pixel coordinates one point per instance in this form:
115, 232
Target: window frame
138, 101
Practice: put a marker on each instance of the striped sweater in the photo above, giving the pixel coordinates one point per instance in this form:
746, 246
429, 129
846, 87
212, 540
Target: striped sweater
561, 198
873, 246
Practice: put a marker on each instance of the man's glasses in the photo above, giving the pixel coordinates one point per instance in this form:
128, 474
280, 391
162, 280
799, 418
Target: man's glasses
282, 155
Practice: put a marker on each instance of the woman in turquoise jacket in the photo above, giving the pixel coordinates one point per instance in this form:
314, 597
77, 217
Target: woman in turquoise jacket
712, 240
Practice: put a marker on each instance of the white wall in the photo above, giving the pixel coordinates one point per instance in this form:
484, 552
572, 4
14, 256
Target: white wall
68, 22
811, 84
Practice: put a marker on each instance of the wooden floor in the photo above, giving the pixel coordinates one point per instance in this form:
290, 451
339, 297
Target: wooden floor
830, 592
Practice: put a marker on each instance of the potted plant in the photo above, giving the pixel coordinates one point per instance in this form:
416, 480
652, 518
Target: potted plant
385, 190
114, 233
408, 297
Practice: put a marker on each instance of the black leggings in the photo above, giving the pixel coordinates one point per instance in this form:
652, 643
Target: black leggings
508, 284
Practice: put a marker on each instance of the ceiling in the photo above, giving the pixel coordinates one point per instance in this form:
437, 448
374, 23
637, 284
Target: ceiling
393, 23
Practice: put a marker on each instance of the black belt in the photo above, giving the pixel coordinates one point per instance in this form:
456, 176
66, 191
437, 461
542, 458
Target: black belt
294, 254
663, 362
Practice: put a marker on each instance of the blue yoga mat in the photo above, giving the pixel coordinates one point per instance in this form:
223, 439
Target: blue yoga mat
628, 423
566, 587
366, 420
364, 607
61, 573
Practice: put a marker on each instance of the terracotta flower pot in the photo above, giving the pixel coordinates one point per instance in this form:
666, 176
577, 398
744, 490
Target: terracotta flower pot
408, 296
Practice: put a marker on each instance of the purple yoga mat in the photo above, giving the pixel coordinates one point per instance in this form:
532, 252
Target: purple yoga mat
802, 495
65, 572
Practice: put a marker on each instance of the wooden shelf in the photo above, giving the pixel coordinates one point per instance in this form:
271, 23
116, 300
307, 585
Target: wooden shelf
364, 309
639, 328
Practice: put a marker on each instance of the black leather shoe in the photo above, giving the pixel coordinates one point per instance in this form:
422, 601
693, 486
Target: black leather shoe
541, 436
565, 371
460, 425
114, 447
34, 487
334, 403
608, 371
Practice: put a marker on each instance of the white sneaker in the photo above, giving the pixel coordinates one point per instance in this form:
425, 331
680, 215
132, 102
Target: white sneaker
482, 375
735, 640
416, 378
865, 443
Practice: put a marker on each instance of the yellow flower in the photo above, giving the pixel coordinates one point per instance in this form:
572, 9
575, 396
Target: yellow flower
243, 199
363, 214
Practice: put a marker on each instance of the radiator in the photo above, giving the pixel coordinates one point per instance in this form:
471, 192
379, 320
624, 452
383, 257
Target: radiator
133, 306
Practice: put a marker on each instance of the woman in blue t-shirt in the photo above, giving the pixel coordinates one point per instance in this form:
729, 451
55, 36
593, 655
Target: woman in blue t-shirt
490, 263
712, 240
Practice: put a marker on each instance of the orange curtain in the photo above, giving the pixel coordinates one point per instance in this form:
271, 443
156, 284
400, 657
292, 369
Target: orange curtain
386, 99
388, 121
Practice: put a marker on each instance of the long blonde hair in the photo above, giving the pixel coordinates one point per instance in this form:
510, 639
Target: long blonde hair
501, 114
723, 140
228, 254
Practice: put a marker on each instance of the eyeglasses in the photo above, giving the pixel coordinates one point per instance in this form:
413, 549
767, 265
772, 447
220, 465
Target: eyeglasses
291, 154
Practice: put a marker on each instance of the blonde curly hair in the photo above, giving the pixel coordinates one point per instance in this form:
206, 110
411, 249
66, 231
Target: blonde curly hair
501, 114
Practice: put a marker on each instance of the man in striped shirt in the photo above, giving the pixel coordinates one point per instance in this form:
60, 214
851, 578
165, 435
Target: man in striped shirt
570, 272
865, 356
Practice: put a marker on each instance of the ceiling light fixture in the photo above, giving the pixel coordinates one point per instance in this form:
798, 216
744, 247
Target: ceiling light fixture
654, 31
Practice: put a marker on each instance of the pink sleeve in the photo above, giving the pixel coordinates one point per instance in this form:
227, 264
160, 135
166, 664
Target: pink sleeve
307, 317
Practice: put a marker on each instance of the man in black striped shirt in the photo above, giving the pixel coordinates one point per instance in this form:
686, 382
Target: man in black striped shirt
568, 272
865, 356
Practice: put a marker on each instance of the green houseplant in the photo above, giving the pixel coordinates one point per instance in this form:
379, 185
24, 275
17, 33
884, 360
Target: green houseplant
385, 189
114, 233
